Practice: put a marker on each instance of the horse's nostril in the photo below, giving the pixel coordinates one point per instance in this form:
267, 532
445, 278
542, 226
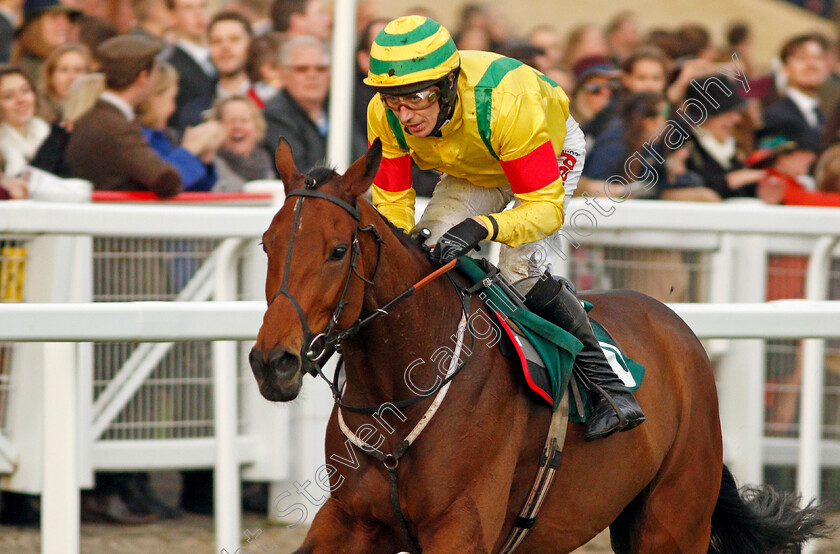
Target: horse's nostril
284, 361
257, 361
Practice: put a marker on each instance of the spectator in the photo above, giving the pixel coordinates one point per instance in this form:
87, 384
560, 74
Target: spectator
483, 17
562, 76
623, 36
366, 12
548, 38
92, 31
639, 117
9, 20
67, 63
712, 151
229, 35
81, 96
593, 98
194, 158
257, 12
46, 26
473, 38
298, 18
645, 70
298, 113
191, 59
521, 49
129, 66
740, 42
21, 131
263, 66
787, 161
584, 41
14, 188
827, 170
805, 65
240, 159
830, 91
664, 39
694, 41
154, 20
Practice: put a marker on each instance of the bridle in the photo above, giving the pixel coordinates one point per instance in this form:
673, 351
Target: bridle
323, 345
320, 347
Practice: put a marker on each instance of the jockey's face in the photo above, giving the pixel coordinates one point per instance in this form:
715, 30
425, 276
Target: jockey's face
419, 121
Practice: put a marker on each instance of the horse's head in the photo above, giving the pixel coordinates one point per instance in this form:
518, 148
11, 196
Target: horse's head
313, 253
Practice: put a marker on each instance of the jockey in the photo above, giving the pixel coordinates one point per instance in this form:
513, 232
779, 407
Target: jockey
498, 131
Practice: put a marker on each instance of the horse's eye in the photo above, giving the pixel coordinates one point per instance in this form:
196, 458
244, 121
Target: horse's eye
338, 253
263, 247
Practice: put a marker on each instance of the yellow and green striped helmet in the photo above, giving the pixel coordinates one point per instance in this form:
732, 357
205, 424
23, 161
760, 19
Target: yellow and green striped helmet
411, 50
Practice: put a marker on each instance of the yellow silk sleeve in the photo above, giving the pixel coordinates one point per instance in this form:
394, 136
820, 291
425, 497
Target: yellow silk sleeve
397, 207
538, 216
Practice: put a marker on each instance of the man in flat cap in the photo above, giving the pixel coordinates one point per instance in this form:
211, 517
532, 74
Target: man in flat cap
107, 146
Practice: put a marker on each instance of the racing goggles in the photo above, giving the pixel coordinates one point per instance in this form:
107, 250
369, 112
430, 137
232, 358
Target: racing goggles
419, 100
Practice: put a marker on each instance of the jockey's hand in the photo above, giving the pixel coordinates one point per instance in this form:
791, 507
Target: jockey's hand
457, 241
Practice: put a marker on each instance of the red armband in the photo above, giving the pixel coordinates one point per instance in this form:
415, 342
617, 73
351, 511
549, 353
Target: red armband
394, 174
532, 171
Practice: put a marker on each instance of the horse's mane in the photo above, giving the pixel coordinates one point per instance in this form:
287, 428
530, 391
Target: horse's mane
323, 174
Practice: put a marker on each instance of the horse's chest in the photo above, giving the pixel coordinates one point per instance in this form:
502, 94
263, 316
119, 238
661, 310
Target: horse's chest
366, 494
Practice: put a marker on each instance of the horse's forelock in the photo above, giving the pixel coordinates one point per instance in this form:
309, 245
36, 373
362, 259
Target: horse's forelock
322, 175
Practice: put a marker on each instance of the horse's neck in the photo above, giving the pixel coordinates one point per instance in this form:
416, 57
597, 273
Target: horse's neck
378, 358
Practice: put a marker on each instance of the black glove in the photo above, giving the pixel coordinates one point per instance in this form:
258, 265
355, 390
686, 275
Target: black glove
457, 241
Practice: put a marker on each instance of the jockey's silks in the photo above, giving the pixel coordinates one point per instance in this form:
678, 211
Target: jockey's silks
508, 128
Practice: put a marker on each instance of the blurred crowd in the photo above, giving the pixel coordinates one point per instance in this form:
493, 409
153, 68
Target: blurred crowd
172, 96
228, 82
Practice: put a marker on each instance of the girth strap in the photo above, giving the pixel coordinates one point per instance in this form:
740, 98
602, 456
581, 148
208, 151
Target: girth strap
550, 460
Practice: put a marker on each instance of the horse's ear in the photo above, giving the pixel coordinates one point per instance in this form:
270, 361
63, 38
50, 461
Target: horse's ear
358, 178
286, 166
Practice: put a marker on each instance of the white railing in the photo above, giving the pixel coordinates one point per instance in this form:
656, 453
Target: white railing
151, 321
739, 235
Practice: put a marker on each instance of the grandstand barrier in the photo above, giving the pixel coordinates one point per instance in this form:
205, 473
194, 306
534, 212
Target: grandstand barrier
129, 416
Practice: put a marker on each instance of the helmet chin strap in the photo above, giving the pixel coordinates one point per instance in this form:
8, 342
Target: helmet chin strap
447, 101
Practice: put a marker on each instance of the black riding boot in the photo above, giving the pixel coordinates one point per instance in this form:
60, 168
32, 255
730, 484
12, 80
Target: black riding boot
614, 407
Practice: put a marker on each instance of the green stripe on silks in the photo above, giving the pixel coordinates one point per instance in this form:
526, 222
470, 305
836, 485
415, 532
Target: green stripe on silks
396, 128
548, 80
413, 65
494, 74
424, 31
557, 347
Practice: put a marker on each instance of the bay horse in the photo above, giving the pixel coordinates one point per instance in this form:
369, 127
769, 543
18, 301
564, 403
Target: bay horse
335, 267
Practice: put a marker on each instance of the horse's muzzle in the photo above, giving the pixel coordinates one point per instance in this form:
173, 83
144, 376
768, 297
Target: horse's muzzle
278, 375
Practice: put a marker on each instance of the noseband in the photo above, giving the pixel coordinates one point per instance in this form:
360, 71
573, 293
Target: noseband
320, 347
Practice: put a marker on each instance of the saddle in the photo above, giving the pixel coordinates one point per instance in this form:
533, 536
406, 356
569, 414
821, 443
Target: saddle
544, 351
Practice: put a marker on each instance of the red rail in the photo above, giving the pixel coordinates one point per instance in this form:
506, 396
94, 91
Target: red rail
184, 197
